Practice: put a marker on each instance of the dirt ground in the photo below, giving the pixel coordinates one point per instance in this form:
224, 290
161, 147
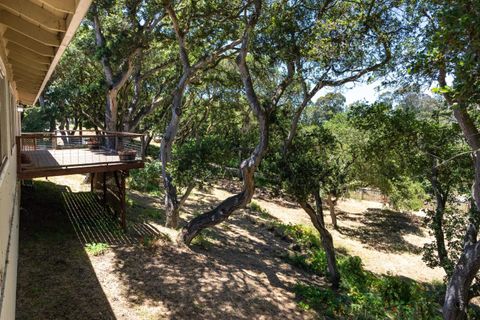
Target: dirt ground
387, 241
236, 271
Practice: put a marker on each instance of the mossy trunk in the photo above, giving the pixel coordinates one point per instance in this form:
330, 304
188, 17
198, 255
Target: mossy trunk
326, 238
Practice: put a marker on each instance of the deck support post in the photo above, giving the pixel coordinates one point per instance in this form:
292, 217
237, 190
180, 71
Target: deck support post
92, 182
123, 206
54, 141
104, 186
120, 177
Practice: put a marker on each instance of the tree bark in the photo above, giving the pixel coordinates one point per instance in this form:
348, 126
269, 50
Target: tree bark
148, 140
440, 237
185, 196
457, 295
113, 81
111, 111
319, 207
440, 203
61, 128
331, 206
326, 238
189, 71
171, 200
249, 165
238, 201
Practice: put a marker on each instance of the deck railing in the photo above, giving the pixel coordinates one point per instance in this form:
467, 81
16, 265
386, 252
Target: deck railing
65, 149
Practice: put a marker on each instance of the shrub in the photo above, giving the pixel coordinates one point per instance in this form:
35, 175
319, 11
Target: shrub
363, 294
352, 272
200, 160
255, 207
147, 179
96, 249
407, 194
394, 289
303, 235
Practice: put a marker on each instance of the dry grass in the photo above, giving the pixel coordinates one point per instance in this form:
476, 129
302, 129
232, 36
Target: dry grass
387, 241
235, 271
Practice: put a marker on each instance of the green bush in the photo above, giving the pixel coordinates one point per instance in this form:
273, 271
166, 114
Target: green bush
200, 160
393, 289
363, 294
147, 179
255, 207
353, 274
407, 194
315, 262
35, 119
96, 249
303, 235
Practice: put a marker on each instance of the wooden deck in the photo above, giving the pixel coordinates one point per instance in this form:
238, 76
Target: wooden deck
57, 162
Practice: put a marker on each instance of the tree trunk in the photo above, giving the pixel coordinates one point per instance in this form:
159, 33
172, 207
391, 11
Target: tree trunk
75, 127
148, 140
319, 207
440, 238
52, 124
171, 200
249, 165
457, 296
111, 111
440, 203
238, 201
61, 128
185, 196
114, 82
327, 240
331, 205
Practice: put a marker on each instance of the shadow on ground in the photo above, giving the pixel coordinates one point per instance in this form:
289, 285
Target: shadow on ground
55, 277
96, 223
235, 271
235, 278
383, 229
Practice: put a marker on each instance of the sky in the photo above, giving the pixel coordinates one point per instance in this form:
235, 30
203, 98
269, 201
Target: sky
353, 92
361, 91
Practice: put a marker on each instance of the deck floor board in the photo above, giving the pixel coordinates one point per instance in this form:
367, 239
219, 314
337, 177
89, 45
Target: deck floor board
50, 162
68, 157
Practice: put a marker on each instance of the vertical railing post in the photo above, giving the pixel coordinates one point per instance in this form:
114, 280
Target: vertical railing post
123, 206
143, 148
54, 140
19, 153
92, 182
104, 186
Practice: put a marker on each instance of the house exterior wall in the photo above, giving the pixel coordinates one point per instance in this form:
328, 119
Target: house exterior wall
9, 196
15, 87
9, 219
